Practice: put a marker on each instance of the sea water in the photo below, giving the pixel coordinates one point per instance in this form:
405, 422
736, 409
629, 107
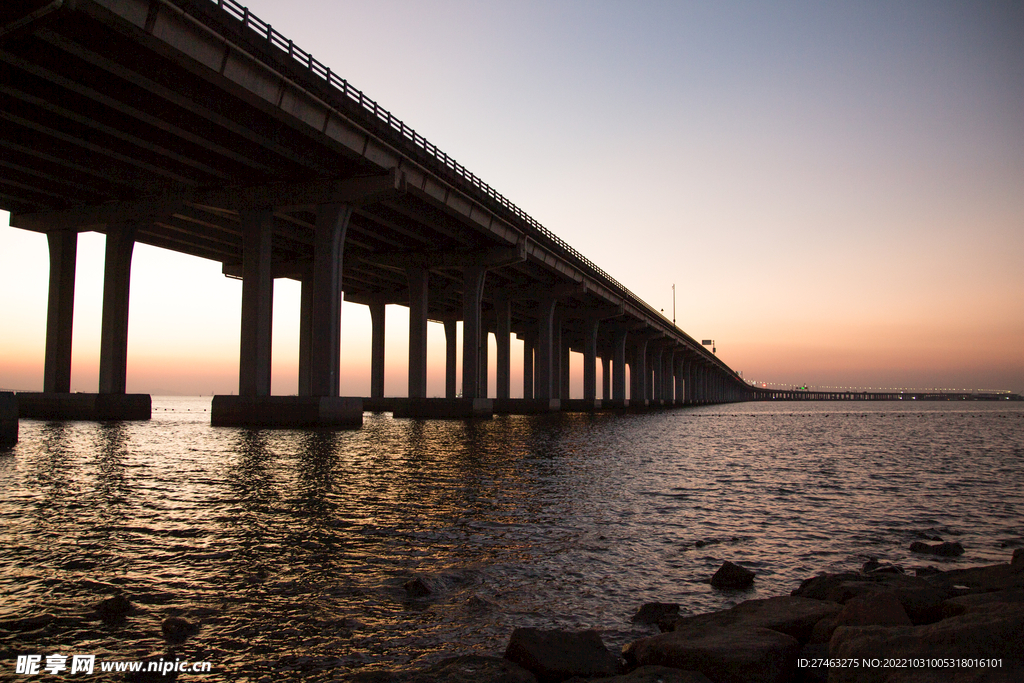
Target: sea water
292, 551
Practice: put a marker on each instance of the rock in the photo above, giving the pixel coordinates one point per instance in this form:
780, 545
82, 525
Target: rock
725, 655
177, 629
656, 612
945, 549
1017, 563
881, 609
994, 633
731, 575
995, 577
972, 602
554, 656
871, 565
115, 608
921, 600
28, 623
793, 616
650, 674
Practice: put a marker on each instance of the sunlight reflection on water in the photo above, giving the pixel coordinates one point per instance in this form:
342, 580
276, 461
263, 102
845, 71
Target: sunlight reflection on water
291, 549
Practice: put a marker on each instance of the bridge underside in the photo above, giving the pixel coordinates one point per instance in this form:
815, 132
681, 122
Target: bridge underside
189, 126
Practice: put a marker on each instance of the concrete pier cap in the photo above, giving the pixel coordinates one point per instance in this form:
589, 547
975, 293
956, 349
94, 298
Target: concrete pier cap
84, 406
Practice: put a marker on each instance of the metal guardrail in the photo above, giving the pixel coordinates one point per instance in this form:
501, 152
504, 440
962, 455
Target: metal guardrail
305, 59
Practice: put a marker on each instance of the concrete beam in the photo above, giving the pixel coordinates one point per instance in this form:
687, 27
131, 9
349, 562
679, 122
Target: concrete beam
495, 257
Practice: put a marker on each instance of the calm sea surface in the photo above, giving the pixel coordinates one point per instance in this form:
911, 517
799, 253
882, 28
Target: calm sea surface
291, 549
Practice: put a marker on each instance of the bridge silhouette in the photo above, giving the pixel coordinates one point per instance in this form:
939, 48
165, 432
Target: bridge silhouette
194, 126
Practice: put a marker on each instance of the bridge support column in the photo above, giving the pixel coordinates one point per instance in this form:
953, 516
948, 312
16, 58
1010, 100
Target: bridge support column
319, 335
563, 364
114, 333
658, 388
56, 402
485, 334
606, 379
418, 287
590, 359
60, 311
638, 375
529, 342
503, 336
544, 387
473, 288
257, 304
325, 311
451, 387
619, 368
377, 325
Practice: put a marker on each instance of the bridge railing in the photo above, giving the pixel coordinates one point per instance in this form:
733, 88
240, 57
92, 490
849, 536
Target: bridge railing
314, 66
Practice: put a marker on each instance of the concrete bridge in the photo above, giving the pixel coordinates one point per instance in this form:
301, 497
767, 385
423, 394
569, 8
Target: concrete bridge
194, 126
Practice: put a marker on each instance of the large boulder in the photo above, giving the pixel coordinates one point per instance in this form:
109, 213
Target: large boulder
731, 575
921, 600
995, 577
945, 549
1017, 563
993, 633
553, 656
656, 613
793, 616
725, 655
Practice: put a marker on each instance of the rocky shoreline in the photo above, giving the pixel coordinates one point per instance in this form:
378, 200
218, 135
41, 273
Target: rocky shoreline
876, 625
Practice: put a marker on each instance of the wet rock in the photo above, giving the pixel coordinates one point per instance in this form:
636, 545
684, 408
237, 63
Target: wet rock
417, 588
115, 608
656, 612
177, 629
793, 616
724, 655
995, 577
424, 586
650, 674
554, 656
927, 571
1017, 563
921, 600
973, 602
871, 565
994, 633
731, 575
945, 549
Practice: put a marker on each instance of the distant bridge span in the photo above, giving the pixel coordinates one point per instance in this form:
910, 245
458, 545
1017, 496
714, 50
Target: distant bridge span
192, 125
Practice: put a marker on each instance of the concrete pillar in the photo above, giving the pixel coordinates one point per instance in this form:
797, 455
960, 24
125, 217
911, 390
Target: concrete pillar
377, 323
257, 303
450, 357
60, 310
529, 342
606, 378
473, 289
667, 371
306, 335
563, 366
503, 337
590, 359
418, 286
638, 372
485, 333
658, 386
619, 365
324, 342
544, 387
114, 331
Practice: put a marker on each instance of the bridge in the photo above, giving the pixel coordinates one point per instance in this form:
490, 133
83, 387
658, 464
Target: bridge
194, 126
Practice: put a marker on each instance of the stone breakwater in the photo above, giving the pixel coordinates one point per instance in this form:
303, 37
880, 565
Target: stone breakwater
876, 625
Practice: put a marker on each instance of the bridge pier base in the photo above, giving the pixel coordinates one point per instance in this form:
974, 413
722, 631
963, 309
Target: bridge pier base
581, 405
288, 412
526, 406
80, 406
8, 419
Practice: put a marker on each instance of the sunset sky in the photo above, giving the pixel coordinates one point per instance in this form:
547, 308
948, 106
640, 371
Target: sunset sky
837, 191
